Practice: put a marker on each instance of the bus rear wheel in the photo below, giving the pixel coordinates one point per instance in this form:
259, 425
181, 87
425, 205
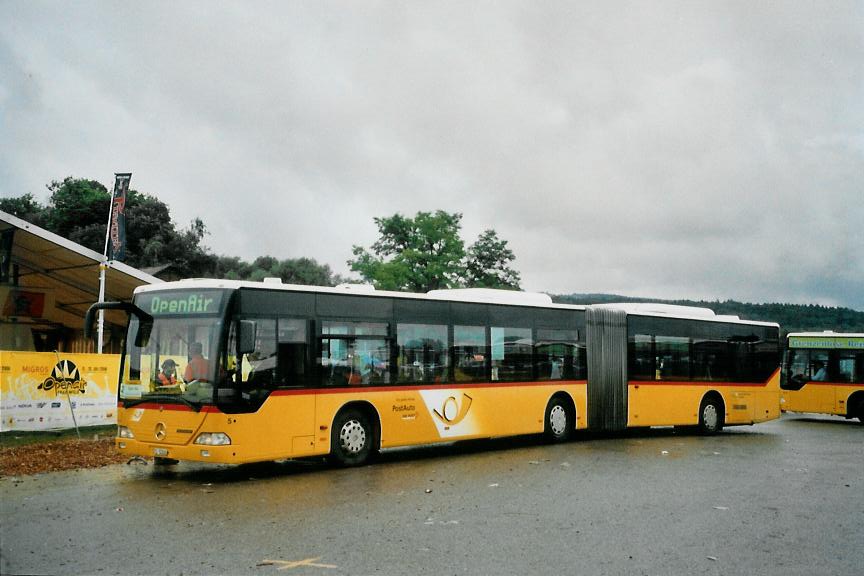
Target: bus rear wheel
559, 420
860, 410
710, 415
351, 438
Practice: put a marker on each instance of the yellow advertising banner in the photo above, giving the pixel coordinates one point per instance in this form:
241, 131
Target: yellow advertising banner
41, 390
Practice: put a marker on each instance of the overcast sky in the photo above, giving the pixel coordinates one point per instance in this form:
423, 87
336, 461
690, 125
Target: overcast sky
663, 149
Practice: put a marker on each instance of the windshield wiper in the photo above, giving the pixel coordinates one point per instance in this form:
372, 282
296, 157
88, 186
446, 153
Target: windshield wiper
164, 398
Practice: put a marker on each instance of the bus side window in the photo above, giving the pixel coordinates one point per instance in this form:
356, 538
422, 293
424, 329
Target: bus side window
470, 353
292, 353
819, 366
259, 366
353, 353
710, 360
556, 355
672, 357
421, 355
640, 357
797, 366
845, 366
858, 375
512, 354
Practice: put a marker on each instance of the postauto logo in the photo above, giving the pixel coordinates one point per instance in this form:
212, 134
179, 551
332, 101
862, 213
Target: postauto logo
65, 379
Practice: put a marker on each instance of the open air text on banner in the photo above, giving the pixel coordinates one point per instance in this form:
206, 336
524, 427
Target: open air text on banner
37, 387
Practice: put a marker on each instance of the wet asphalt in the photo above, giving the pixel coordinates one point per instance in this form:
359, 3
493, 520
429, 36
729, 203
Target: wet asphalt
783, 497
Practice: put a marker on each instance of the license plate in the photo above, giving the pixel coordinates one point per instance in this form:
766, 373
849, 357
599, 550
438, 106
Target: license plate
160, 452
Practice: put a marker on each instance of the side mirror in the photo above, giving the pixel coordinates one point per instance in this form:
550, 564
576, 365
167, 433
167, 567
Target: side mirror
248, 330
130, 309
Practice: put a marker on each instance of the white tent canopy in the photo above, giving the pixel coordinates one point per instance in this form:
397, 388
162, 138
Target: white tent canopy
67, 273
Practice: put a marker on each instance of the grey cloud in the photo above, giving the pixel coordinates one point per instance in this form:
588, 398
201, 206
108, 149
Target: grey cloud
675, 149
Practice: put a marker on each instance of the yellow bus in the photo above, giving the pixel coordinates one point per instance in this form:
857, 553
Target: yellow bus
662, 365
823, 372
233, 372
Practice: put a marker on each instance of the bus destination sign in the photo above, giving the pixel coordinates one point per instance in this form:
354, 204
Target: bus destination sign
827, 342
181, 303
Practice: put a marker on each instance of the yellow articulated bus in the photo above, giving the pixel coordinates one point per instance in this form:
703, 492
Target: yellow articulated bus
662, 365
823, 372
234, 372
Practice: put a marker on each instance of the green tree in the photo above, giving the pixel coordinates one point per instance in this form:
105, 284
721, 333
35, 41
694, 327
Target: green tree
488, 263
307, 271
304, 271
78, 210
231, 268
25, 207
414, 254
427, 253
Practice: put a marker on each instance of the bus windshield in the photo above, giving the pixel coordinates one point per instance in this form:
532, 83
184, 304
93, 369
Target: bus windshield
175, 362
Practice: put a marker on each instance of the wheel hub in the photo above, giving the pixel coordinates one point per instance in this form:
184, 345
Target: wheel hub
709, 416
352, 437
558, 420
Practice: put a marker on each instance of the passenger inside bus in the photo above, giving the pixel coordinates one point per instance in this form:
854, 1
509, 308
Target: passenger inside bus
168, 375
819, 374
198, 367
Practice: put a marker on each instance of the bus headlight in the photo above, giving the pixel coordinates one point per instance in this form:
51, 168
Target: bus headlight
124, 432
213, 439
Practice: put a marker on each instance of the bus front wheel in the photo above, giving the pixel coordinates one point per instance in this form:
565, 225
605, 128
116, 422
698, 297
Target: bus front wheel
559, 420
710, 415
351, 438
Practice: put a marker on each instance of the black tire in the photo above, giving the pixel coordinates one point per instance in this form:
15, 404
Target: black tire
710, 415
860, 410
352, 438
559, 420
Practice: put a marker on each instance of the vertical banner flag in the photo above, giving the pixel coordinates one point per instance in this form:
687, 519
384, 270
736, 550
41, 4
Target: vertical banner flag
6, 242
117, 229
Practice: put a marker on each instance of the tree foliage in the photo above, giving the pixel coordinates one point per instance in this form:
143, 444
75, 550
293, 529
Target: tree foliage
25, 207
488, 263
427, 253
77, 209
304, 271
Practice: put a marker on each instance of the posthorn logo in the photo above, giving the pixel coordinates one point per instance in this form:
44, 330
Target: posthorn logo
454, 411
65, 379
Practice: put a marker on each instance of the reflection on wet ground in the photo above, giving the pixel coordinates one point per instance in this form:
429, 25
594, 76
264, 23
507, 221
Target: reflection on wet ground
634, 443
433, 478
663, 497
307, 486
826, 420
396, 470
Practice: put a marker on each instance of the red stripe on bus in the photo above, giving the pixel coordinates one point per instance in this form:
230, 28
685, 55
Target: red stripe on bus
704, 384
368, 389
821, 383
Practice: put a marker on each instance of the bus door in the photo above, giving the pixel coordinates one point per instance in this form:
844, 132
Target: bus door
821, 391
846, 368
805, 387
275, 382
